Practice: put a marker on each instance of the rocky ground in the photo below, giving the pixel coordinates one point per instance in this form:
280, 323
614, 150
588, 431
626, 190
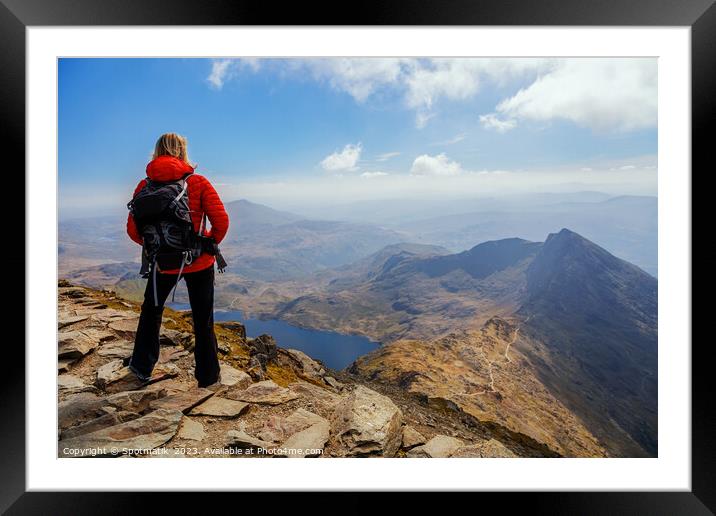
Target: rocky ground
485, 375
270, 402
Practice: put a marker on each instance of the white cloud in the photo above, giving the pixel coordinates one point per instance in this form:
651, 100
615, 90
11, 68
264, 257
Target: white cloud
603, 94
439, 165
359, 77
428, 81
599, 93
386, 156
452, 141
223, 70
460, 78
453, 79
420, 82
254, 63
422, 118
369, 175
492, 121
627, 167
219, 73
344, 160
617, 94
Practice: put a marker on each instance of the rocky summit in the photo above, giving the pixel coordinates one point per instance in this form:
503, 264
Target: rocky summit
270, 401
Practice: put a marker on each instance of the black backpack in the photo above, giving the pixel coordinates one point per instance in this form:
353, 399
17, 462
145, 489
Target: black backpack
161, 213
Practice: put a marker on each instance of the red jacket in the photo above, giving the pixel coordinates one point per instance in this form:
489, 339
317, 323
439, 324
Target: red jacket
202, 199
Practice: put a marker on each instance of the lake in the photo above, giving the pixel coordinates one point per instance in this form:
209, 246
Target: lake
335, 350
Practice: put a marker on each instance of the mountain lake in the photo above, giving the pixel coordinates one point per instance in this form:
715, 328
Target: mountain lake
335, 350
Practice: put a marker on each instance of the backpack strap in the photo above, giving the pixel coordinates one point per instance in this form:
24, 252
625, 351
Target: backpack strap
154, 281
202, 224
183, 191
186, 260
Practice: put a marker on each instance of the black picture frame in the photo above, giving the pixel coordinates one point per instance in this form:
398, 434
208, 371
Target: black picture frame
17, 15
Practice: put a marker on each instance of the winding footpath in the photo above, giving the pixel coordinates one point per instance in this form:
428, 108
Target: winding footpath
514, 338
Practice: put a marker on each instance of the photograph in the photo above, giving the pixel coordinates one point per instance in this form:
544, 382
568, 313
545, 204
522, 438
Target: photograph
456, 237
357, 257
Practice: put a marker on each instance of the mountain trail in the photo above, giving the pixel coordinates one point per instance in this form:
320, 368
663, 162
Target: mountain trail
489, 370
514, 338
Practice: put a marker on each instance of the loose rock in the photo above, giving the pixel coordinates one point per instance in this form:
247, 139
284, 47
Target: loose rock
302, 362
71, 384
98, 423
333, 382
240, 439
144, 433
126, 328
70, 319
169, 337
116, 349
134, 401
368, 423
265, 392
191, 429
487, 449
308, 442
169, 354
63, 365
125, 380
78, 343
438, 446
79, 408
320, 397
233, 377
183, 401
236, 327
217, 406
278, 428
411, 437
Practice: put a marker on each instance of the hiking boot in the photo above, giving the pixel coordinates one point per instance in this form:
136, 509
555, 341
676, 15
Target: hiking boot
141, 378
214, 386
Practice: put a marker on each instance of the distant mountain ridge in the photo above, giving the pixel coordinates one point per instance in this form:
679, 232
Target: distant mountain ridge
482, 260
625, 225
262, 243
250, 215
275, 245
597, 317
587, 321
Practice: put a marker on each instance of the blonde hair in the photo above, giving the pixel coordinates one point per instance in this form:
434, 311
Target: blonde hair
172, 144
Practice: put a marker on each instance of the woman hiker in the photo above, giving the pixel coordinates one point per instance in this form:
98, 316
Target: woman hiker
170, 162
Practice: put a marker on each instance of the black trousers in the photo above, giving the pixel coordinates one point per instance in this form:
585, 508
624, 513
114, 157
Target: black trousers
200, 285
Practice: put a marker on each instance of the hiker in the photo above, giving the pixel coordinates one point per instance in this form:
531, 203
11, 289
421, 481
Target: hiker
170, 166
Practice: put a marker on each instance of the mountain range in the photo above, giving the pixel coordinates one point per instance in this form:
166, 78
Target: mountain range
262, 243
586, 322
265, 244
552, 340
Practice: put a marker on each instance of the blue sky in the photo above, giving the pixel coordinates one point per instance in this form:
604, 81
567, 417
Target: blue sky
333, 130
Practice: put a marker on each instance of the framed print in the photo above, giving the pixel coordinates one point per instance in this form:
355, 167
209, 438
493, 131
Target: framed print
455, 239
